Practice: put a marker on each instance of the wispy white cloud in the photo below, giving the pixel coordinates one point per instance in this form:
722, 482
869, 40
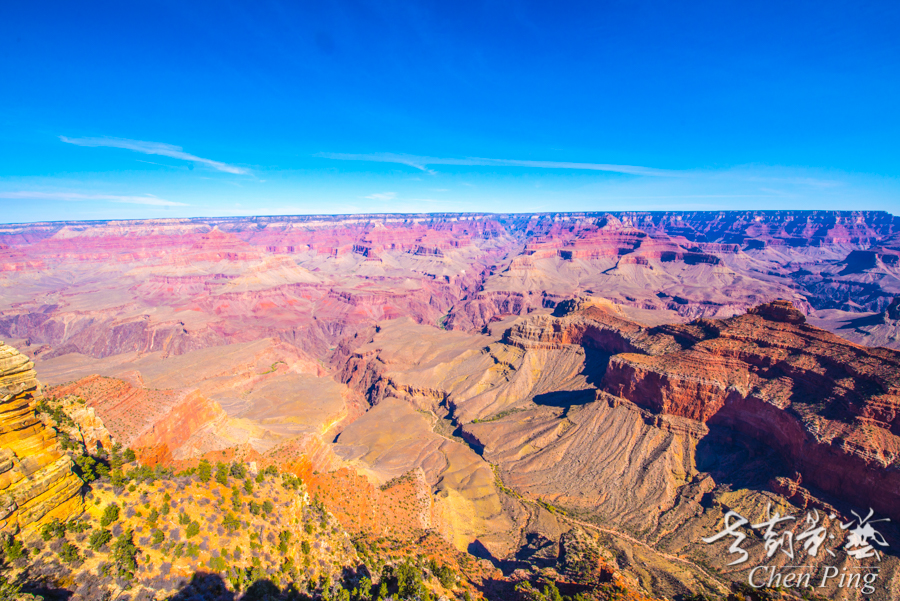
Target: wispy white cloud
422, 162
156, 148
78, 196
382, 196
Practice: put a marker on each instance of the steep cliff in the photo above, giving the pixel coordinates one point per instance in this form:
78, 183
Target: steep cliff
36, 478
830, 407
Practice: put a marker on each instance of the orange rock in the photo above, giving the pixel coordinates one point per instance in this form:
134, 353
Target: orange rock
36, 478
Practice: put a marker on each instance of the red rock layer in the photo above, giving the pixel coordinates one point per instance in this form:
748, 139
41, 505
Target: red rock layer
157, 422
830, 406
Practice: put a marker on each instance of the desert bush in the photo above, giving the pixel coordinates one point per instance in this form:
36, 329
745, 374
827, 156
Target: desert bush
290, 481
217, 564
90, 468
13, 549
222, 473
204, 471
125, 554
284, 537
238, 470
230, 522
53, 530
110, 515
193, 529
77, 526
69, 553
99, 538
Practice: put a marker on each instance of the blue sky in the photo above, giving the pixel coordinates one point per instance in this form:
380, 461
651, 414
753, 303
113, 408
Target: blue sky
158, 109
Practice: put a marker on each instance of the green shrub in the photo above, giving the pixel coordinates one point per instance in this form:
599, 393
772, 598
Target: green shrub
204, 471
99, 538
110, 515
125, 554
117, 478
238, 470
230, 522
217, 564
13, 549
193, 530
409, 580
290, 481
77, 526
222, 474
69, 553
53, 530
158, 537
284, 537
87, 468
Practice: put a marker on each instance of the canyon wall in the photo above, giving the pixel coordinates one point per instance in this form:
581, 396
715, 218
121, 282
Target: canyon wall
36, 478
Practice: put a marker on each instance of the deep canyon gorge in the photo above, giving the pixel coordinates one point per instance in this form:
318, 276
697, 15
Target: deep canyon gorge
508, 392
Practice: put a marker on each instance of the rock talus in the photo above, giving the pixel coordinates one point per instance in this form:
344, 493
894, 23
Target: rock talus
36, 478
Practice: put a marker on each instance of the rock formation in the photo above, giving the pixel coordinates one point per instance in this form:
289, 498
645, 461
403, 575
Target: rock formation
36, 478
830, 407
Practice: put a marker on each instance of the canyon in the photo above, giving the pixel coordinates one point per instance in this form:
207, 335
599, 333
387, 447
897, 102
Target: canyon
522, 381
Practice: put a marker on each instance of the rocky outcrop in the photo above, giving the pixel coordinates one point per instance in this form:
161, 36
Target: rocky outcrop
830, 407
593, 324
893, 310
36, 478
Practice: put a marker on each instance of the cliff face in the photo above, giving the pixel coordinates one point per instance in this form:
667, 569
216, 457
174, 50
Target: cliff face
830, 407
36, 478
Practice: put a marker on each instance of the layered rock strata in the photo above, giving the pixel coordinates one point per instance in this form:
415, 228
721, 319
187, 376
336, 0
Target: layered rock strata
36, 478
830, 407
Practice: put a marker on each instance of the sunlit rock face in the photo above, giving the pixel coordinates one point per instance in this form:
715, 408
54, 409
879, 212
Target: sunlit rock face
36, 479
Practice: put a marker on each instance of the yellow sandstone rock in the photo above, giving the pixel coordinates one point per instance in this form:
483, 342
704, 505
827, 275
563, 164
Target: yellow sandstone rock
37, 483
